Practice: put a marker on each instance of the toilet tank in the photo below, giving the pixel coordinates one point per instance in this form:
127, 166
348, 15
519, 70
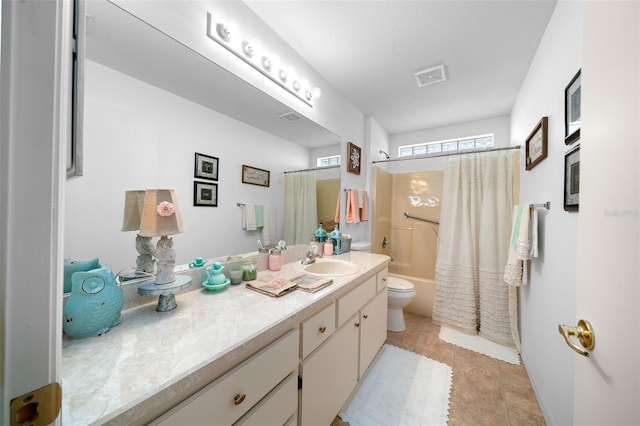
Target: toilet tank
364, 246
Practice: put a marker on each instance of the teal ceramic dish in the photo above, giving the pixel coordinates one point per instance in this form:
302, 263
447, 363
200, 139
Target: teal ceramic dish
216, 287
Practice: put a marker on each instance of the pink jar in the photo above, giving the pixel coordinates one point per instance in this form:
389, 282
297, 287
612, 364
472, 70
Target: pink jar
328, 248
275, 260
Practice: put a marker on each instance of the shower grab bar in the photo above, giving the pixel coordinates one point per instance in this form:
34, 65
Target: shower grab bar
420, 218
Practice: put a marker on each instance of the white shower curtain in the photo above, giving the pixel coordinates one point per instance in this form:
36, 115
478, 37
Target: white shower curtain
475, 226
300, 207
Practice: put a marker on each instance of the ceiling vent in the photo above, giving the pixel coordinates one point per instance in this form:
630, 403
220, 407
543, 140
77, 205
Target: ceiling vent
290, 116
430, 76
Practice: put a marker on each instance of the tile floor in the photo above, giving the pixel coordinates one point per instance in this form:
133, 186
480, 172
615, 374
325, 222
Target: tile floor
485, 391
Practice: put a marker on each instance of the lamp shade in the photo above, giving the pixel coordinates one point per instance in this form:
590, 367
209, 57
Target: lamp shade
133, 204
160, 215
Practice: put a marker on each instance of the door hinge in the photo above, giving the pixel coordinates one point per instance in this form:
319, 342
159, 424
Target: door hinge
38, 407
299, 382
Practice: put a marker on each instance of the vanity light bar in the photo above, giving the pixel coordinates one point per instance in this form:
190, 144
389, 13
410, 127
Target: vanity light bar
227, 35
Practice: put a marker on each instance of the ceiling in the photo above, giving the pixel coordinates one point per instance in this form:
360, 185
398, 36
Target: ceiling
369, 51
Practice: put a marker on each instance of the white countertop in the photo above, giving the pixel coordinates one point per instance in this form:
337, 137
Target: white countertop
111, 378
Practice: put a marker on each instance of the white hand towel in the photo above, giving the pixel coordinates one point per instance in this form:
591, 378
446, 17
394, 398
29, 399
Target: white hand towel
268, 236
519, 246
534, 233
249, 218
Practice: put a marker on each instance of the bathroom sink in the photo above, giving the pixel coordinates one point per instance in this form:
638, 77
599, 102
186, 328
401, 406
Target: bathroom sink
329, 268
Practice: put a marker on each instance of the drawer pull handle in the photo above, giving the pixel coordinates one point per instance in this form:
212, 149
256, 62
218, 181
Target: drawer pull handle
357, 324
384, 279
365, 316
238, 399
322, 329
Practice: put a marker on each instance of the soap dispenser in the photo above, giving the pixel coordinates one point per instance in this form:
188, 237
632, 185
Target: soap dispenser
336, 238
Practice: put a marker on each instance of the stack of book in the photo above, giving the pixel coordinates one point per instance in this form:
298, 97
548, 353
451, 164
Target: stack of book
286, 282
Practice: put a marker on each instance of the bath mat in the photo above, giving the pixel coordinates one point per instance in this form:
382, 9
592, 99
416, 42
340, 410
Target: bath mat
402, 388
480, 345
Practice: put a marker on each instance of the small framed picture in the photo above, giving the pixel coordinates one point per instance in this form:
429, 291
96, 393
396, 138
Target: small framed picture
206, 167
572, 110
536, 146
354, 158
205, 194
255, 176
572, 179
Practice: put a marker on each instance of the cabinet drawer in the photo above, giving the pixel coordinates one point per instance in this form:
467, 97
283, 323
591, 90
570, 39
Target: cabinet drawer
233, 394
383, 277
351, 302
317, 329
277, 407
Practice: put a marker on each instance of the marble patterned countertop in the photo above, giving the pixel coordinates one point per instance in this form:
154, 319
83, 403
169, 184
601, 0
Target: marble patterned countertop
145, 365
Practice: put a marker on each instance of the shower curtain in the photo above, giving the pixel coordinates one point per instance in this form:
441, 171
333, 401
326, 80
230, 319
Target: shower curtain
475, 226
300, 207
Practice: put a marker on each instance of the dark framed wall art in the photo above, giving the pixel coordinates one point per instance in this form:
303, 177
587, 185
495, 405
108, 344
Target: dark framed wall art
206, 167
572, 94
255, 176
205, 194
536, 145
572, 179
354, 158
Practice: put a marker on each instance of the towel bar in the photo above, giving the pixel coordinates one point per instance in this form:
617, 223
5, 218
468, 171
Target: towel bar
546, 205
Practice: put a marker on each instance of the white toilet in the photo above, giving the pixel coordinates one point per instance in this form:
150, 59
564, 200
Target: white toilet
400, 293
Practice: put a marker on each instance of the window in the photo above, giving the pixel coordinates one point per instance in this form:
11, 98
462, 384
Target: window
334, 160
447, 146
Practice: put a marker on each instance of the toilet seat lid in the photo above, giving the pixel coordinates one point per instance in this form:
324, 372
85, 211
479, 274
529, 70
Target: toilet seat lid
399, 285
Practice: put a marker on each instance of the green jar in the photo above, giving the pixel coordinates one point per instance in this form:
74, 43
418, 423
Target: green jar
249, 270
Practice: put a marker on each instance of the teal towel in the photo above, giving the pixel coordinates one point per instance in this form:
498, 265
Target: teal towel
259, 215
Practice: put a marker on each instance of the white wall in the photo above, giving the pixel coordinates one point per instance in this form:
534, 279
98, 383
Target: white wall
499, 126
549, 298
137, 137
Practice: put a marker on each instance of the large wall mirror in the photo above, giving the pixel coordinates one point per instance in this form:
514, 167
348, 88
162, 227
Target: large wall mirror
133, 71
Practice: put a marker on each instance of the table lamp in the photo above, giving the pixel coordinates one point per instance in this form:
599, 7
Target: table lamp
145, 263
160, 218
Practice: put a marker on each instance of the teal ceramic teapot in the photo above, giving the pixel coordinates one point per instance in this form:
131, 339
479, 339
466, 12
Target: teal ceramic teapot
215, 275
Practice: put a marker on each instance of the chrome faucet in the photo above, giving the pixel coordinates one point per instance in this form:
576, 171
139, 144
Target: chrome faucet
312, 255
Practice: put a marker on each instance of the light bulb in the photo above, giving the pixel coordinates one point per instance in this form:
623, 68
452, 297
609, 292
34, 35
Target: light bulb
296, 85
248, 48
226, 30
266, 63
283, 76
316, 92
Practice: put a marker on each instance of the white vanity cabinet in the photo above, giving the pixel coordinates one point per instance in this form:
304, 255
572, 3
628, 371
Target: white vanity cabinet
331, 372
267, 377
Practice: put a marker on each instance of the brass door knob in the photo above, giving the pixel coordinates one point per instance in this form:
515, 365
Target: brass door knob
584, 332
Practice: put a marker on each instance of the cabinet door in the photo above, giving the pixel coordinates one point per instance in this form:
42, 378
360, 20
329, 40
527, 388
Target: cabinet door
329, 376
373, 329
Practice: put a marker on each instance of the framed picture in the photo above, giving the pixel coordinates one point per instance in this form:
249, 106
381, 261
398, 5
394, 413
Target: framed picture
536, 146
572, 179
354, 158
205, 194
206, 167
572, 110
255, 176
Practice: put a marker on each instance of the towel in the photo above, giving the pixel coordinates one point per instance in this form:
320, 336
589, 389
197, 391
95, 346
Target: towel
337, 218
519, 246
352, 214
533, 230
249, 217
268, 236
259, 215
364, 212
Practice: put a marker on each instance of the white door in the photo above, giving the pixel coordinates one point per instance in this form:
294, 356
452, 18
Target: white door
34, 127
607, 384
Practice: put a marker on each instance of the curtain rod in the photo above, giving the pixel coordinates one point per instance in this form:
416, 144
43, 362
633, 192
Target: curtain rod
446, 154
311, 170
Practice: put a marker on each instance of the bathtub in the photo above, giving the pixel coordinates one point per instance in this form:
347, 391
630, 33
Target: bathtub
422, 304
